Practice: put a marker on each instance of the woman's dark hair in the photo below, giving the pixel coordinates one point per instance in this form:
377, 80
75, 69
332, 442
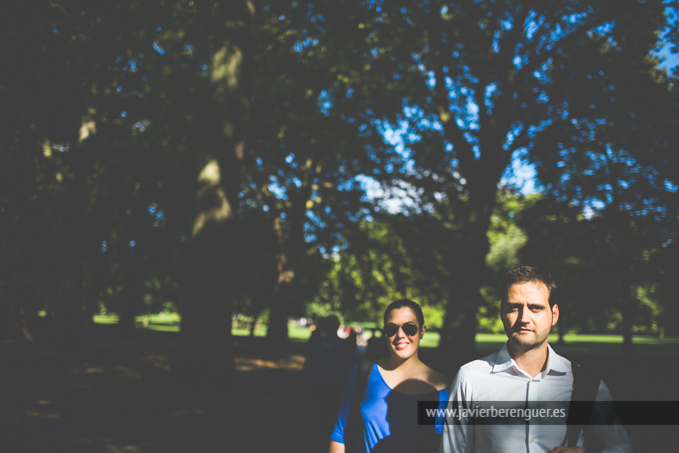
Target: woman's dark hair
414, 306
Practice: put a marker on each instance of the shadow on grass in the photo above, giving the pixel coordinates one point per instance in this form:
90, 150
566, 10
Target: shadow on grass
124, 395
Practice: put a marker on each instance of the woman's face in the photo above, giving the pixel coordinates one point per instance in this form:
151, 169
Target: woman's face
402, 345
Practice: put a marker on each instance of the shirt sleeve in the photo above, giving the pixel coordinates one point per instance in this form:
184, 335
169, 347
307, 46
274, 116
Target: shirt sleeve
458, 433
345, 407
607, 431
440, 419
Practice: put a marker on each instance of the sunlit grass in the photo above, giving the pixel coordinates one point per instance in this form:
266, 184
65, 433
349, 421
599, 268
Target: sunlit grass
582, 343
164, 322
430, 340
244, 332
163, 328
294, 332
105, 319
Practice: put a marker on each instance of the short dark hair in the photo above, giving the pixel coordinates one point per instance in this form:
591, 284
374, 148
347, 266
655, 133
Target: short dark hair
332, 323
414, 306
526, 274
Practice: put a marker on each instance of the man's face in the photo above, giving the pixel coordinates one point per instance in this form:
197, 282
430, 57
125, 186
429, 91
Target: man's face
526, 315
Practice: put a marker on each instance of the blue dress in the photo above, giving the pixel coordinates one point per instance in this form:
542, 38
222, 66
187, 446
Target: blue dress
389, 418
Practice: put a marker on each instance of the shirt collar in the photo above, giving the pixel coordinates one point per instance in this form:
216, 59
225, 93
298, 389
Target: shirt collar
555, 362
503, 360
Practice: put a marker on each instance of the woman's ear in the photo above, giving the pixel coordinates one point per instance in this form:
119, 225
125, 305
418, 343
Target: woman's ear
422, 330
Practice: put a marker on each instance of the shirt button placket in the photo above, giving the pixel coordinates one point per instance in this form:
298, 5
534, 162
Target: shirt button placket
530, 403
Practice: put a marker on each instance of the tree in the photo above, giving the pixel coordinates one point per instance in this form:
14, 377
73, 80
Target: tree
94, 100
217, 112
50, 89
376, 269
605, 268
302, 159
474, 85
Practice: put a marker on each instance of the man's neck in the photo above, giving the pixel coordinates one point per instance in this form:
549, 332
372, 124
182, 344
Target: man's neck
532, 361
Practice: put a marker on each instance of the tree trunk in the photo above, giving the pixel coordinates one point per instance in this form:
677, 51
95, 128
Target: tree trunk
220, 129
561, 327
628, 309
289, 266
253, 324
458, 340
130, 300
624, 240
73, 314
277, 329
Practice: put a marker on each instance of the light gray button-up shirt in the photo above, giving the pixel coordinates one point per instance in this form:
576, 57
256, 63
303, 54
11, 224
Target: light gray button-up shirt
497, 377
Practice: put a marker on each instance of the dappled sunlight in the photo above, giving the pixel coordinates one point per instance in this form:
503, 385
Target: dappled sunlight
87, 370
293, 362
226, 63
158, 361
41, 409
211, 173
40, 414
213, 204
110, 448
117, 370
88, 126
126, 371
107, 445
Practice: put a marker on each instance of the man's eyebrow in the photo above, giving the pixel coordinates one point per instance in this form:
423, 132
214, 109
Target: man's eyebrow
530, 305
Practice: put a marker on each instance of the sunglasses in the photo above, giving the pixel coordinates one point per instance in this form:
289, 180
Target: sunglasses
409, 329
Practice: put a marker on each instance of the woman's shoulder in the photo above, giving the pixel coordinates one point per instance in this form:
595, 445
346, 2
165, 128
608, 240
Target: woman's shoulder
436, 379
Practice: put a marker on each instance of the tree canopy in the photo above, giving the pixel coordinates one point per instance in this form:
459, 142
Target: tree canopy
196, 155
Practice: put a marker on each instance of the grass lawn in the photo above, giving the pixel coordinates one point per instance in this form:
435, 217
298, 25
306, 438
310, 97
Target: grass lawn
163, 322
486, 342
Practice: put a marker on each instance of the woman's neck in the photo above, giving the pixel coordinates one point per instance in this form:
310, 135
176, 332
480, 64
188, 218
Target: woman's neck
404, 365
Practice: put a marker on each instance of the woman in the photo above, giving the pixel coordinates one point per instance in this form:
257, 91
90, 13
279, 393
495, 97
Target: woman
388, 408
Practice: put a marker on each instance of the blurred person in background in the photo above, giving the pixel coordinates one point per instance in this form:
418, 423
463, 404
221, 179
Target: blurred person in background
326, 369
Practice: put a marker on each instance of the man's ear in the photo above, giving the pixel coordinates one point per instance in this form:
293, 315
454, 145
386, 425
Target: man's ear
555, 314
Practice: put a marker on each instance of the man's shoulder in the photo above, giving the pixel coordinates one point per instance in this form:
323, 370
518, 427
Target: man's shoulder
559, 362
484, 365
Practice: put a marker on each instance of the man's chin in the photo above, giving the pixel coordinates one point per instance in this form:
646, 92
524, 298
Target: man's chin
519, 341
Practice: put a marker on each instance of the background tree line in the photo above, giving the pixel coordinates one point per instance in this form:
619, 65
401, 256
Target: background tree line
213, 157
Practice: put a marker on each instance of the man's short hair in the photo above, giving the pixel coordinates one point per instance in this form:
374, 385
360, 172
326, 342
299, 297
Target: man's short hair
527, 274
332, 323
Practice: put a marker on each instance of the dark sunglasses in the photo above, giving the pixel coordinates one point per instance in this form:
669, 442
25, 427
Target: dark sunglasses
409, 329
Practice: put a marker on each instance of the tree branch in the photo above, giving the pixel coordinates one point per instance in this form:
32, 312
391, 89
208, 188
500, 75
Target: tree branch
538, 59
452, 131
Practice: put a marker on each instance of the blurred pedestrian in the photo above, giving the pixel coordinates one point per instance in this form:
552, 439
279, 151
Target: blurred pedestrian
326, 369
377, 347
316, 332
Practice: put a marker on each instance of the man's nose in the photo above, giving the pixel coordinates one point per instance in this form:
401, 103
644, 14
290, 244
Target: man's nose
525, 316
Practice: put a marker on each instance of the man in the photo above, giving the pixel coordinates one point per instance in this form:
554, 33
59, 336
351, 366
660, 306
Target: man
528, 371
